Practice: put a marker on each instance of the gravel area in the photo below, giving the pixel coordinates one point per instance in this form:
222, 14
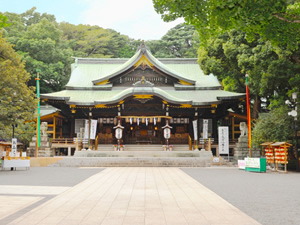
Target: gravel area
271, 198
47, 176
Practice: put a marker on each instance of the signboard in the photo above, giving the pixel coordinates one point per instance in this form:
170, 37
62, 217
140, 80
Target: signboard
167, 133
252, 162
241, 164
223, 140
195, 129
93, 129
118, 133
205, 129
216, 159
86, 129
14, 147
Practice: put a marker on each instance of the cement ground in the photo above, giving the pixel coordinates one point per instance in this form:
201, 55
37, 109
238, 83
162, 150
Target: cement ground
271, 198
42, 195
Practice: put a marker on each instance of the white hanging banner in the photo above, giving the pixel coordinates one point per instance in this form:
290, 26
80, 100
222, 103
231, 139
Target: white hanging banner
146, 121
195, 129
86, 129
154, 121
138, 121
130, 120
93, 129
205, 129
223, 140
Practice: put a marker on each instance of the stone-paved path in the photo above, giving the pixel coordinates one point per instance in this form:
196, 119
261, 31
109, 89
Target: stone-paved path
121, 196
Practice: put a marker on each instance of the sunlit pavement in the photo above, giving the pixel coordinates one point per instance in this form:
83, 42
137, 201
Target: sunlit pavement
120, 196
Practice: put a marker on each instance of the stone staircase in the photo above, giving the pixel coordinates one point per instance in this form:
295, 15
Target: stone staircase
138, 156
149, 147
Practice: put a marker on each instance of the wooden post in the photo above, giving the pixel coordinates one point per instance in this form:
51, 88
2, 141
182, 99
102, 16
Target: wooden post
54, 127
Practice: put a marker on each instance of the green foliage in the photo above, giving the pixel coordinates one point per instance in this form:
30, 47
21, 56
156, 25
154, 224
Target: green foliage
17, 102
3, 21
273, 126
275, 20
39, 41
270, 69
95, 41
182, 41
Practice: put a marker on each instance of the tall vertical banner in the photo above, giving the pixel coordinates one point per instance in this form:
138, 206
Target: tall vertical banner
223, 140
93, 129
195, 130
248, 115
205, 129
14, 147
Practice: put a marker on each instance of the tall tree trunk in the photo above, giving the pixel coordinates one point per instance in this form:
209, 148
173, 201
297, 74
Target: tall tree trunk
256, 107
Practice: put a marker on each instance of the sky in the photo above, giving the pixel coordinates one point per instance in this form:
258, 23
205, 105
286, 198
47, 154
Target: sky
135, 18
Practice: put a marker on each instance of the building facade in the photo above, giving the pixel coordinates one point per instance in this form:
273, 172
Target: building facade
143, 93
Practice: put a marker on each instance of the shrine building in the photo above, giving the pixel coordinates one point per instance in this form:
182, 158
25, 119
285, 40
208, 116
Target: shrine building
143, 92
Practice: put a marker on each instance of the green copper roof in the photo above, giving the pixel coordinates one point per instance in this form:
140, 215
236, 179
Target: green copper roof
134, 59
94, 97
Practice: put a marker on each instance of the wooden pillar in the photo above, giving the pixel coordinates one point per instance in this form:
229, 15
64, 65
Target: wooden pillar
54, 127
232, 128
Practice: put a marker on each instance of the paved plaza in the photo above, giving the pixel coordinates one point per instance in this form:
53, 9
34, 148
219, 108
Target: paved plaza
53, 195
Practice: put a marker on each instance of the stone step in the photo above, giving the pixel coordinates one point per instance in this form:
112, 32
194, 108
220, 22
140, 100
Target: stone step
133, 162
137, 154
149, 147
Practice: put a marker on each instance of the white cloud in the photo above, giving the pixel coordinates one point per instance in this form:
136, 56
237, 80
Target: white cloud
135, 18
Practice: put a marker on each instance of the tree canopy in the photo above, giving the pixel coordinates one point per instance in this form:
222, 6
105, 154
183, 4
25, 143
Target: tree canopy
271, 69
17, 99
181, 41
275, 20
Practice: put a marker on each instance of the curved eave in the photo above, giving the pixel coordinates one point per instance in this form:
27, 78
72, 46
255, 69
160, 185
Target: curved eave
60, 98
165, 69
134, 59
231, 97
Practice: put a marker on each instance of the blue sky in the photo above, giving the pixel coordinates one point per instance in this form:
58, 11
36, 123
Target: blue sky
135, 18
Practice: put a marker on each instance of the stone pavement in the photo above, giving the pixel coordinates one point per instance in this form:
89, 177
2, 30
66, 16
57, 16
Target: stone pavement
121, 196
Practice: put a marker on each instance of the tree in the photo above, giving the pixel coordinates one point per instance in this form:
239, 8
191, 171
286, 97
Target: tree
3, 21
95, 41
273, 126
42, 48
17, 102
230, 56
275, 20
182, 41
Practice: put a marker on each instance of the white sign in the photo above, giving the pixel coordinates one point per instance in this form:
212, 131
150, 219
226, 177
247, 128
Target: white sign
167, 133
93, 129
223, 140
195, 129
216, 159
252, 162
205, 129
241, 164
118, 133
86, 129
14, 147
